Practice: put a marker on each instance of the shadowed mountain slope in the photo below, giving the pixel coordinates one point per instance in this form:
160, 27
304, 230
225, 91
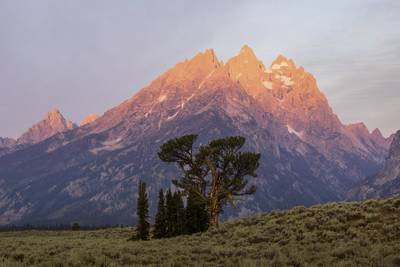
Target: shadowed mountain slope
89, 174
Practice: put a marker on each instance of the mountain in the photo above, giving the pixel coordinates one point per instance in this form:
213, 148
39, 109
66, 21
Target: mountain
89, 174
52, 123
89, 119
6, 144
387, 181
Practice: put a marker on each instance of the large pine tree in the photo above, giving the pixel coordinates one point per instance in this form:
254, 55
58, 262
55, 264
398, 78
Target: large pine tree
160, 226
142, 212
217, 172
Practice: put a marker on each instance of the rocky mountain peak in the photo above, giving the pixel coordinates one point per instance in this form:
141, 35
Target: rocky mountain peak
6, 142
52, 123
282, 62
89, 119
358, 128
245, 63
378, 138
385, 182
247, 69
207, 58
377, 134
56, 120
361, 131
394, 151
284, 72
92, 172
195, 68
246, 51
53, 115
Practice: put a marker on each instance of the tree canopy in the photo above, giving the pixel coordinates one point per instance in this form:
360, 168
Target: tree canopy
215, 173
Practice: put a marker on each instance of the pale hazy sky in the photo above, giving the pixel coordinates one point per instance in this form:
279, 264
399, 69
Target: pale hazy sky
87, 56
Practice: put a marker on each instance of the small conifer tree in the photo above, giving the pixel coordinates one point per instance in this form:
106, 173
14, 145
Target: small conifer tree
142, 213
180, 214
170, 214
76, 227
160, 226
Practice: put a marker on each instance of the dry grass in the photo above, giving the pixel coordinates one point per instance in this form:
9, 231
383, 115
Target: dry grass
343, 234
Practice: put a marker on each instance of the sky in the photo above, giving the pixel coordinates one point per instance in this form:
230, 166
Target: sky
88, 56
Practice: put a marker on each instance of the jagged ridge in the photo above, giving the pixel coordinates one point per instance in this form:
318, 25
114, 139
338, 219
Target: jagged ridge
89, 174
387, 181
52, 123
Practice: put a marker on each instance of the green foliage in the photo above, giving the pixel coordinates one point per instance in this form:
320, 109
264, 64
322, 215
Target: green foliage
171, 214
173, 218
280, 238
179, 150
180, 223
216, 172
160, 226
142, 212
175, 214
196, 215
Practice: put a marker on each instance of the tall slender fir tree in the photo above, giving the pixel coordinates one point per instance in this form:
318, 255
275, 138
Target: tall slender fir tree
142, 212
160, 226
170, 214
180, 214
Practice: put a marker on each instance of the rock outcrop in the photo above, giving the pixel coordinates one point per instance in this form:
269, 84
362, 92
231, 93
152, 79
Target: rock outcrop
89, 119
387, 181
52, 123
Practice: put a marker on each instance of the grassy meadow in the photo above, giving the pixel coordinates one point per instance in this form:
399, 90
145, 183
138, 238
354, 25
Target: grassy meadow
338, 234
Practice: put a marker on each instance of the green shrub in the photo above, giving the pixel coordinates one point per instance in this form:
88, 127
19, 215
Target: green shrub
325, 235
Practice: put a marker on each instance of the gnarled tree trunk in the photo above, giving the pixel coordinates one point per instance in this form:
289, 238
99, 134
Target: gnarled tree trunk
214, 202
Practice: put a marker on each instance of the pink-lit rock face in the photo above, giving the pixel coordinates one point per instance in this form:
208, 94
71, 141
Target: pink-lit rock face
308, 155
285, 90
52, 123
292, 95
245, 86
89, 119
247, 69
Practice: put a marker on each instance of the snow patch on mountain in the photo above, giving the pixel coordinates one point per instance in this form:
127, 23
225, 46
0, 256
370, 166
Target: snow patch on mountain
268, 84
108, 145
162, 98
172, 116
148, 113
277, 66
205, 79
187, 100
268, 71
76, 189
287, 81
293, 131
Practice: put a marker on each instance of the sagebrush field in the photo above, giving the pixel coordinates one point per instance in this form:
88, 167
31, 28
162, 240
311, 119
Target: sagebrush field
339, 234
